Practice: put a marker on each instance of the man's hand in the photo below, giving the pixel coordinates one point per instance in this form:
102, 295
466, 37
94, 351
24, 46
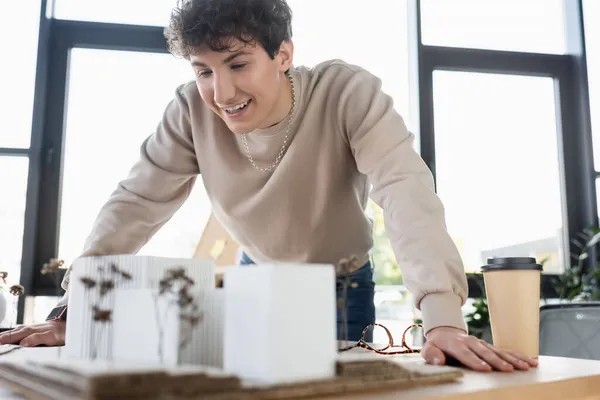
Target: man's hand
50, 333
470, 351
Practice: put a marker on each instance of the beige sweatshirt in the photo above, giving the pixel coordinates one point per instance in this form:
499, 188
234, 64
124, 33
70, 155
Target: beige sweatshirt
345, 135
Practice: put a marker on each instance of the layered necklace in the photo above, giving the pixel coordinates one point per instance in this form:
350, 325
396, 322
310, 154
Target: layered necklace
285, 138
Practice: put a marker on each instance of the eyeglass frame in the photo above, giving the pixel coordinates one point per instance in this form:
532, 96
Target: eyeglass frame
363, 344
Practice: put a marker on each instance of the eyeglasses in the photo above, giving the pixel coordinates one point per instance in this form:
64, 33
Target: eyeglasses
387, 350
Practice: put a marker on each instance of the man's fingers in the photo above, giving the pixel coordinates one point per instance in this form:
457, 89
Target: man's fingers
472, 352
458, 349
433, 355
5, 336
469, 358
21, 333
518, 363
16, 335
529, 361
47, 338
493, 356
515, 358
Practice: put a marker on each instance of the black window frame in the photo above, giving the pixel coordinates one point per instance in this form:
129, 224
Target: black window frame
569, 72
42, 220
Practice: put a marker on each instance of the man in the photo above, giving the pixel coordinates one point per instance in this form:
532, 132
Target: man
287, 155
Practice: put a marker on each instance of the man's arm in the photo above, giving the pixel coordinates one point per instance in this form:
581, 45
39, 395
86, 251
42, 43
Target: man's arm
155, 188
403, 187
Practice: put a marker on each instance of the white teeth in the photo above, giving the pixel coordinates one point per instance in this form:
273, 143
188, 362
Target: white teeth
236, 108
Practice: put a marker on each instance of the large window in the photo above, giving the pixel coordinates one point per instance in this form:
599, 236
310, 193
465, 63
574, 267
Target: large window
17, 70
497, 165
321, 36
516, 25
13, 181
137, 12
591, 14
355, 38
17, 82
116, 100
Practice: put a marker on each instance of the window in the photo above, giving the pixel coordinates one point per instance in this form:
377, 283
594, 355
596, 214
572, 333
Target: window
17, 83
12, 216
320, 34
135, 12
598, 195
17, 70
12, 213
535, 26
387, 271
497, 166
323, 35
115, 101
37, 308
591, 14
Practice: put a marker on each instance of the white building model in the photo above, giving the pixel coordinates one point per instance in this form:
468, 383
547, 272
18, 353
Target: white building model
269, 323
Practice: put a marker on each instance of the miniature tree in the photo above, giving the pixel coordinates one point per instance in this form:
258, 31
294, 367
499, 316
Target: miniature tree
175, 287
16, 290
110, 278
52, 268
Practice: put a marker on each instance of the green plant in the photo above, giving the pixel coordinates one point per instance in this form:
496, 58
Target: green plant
478, 321
386, 270
418, 334
581, 282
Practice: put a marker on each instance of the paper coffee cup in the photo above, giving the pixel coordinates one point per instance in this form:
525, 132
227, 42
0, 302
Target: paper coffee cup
512, 287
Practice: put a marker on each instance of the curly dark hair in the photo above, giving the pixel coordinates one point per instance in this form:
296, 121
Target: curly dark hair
215, 22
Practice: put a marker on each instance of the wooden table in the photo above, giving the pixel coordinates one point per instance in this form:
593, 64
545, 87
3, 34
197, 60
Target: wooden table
554, 379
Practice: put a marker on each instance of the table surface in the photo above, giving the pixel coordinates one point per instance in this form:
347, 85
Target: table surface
554, 378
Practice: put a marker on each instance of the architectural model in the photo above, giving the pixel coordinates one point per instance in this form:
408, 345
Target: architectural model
155, 328
117, 309
164, 311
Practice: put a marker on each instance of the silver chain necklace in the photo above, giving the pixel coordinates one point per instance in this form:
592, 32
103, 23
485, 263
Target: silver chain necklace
285, 138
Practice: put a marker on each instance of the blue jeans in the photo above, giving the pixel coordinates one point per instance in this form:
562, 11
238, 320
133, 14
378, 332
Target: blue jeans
359, 303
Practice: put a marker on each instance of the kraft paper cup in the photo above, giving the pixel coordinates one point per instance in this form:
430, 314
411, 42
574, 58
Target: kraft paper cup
512, 286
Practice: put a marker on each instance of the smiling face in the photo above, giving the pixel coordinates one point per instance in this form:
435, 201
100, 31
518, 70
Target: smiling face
243, 85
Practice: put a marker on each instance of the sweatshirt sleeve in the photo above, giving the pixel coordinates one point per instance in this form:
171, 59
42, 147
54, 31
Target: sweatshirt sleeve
156, 186
402, 185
